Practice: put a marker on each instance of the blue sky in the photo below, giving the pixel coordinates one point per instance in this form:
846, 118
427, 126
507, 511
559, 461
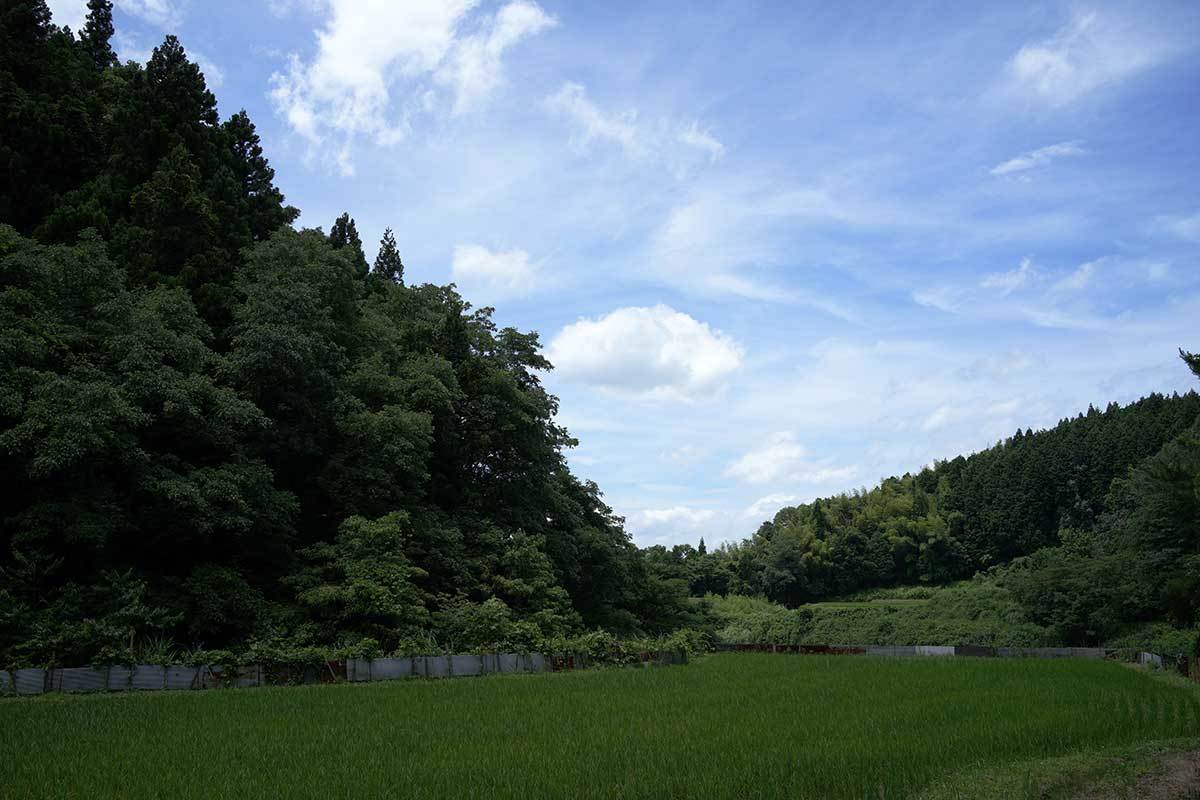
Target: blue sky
775, 251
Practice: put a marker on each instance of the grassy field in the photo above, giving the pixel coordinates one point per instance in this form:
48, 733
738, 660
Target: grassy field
736, 725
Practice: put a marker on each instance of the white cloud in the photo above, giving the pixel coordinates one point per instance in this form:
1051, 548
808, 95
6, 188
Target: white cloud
1090, 52
676, 515
651, 352
1078, 298
768, 505
1079, 279
779, 457
1038, 158
944, 415
282, 8
371, 50
702, 140
474, 68
73, 13
214, 76
732, 237
572, 102
162, 13
1009, 282
492, 273
68, 13
637, 139
942, 298
784, 460
1181, 227
686, 454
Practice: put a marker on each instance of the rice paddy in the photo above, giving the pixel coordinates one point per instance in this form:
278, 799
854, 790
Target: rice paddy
725, 726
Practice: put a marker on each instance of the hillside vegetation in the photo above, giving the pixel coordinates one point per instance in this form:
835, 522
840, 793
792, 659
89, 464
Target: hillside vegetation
219, 431
1082, 534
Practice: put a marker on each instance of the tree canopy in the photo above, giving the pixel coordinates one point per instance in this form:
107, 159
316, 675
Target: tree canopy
218, 430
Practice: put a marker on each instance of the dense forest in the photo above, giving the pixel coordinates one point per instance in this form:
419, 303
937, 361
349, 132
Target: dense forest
217, 431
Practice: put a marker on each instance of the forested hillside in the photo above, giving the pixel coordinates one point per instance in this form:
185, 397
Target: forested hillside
1088, 528
218, 431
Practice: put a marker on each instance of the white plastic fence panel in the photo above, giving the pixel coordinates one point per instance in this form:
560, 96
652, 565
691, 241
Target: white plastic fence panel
358, 669
29, 681
934, 650
183, 678
390, 669
1088, 652
437, 667
81, 679
119, 678
148, 677
461, 665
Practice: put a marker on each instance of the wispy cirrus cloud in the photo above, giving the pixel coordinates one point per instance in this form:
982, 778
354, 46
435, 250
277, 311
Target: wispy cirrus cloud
1008, 282
1076, 298
1040, 157
1091, 51
638, 138
1185, 226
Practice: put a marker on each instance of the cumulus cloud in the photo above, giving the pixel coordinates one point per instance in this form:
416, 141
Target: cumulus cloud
492, 273
1089, 52
783, 458
652, 352
370, 50
1038, 158
767, 506
475, 68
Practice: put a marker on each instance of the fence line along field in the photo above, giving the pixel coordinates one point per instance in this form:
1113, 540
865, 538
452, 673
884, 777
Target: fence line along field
729, 725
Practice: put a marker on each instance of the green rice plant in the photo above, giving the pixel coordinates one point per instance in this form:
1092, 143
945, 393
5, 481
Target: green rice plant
725, 726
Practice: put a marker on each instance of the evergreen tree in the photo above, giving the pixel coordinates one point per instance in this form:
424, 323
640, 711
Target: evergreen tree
98, 32
344, 233
387, 261
263, 201
1192, 360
